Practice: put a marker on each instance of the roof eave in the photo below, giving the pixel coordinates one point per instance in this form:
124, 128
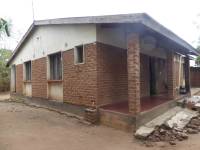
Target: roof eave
20, 44
142, 18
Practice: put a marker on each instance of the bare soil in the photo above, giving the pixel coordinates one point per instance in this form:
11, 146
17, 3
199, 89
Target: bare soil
4, 96
27, 128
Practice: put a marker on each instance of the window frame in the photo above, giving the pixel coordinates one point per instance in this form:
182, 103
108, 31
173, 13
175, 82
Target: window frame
76, 53
50, 76
26, 78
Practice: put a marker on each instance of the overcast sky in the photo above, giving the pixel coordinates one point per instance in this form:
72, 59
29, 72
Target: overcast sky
180, 16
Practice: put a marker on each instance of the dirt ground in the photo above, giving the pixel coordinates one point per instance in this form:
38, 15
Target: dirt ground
4, 96
28, 128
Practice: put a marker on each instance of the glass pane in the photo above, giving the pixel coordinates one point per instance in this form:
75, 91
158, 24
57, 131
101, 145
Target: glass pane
55, 67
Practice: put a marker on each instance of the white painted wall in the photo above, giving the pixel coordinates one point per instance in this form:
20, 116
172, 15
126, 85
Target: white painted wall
55, 91
117, 37
27, 89
13, 79
50, 39
156, 52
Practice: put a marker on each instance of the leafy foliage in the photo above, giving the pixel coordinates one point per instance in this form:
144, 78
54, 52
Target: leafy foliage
4, 56
4, 71
197, 61
4, 27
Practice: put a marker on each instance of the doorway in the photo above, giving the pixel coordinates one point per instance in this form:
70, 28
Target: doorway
152, 73
158, 77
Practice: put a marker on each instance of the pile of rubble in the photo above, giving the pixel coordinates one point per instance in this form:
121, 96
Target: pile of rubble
174, 125
191, 103
172, 135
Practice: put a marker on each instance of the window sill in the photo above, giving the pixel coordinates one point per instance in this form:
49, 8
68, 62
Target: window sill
27, 81
53, 81
76, 64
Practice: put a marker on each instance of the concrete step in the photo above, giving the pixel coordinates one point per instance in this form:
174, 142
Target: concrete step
176, 115
147, 116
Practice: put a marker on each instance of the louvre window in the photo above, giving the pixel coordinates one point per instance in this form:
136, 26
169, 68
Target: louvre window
28, 70
55, 66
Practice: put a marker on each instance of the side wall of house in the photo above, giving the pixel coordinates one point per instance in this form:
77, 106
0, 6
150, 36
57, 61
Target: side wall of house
46, 40
39, 78
112, 74
19, 79
195, 76
80, 81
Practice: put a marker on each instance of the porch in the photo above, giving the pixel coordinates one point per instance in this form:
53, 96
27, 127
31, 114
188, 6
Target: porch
159, 79
145, 74
118, 116
147, 103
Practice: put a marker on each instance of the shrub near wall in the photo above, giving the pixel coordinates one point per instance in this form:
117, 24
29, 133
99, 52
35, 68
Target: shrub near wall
4, 71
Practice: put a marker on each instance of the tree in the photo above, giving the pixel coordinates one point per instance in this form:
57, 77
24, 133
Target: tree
4, 56
197, 60
4, 27
4, 71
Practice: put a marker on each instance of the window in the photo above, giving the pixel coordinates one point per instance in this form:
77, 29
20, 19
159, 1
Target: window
79, 54
27, 70
55, 66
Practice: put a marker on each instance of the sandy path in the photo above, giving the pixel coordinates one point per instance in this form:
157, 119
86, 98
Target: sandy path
26, 128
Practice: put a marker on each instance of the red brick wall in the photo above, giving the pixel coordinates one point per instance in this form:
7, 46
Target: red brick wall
39, 78
171, 80
133, 65
112, 74
19, 78
195, 76
144, 75
80, 81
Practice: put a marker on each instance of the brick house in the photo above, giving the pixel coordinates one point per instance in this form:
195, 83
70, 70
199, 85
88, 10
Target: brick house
128, 66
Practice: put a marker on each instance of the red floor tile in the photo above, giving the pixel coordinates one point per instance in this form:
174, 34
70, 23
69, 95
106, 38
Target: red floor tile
146, 104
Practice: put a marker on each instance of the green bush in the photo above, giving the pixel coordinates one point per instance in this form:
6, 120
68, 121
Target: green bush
4, 71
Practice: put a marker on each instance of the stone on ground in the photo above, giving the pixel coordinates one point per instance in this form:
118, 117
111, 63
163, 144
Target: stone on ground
181, 119
143, 132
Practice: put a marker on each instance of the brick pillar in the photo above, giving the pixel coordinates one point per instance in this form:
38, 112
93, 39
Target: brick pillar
171, 75
187, 74
133, 67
